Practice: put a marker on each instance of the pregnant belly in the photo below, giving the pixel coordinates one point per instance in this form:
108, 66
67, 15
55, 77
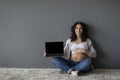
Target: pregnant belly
78, 57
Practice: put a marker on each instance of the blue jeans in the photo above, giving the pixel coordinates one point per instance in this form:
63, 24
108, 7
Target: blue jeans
67, 65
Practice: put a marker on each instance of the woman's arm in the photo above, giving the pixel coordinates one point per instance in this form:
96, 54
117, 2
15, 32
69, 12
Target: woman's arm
67, 49
91, 50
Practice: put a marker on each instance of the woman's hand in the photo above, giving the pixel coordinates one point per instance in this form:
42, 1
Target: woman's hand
45, 53
79, 50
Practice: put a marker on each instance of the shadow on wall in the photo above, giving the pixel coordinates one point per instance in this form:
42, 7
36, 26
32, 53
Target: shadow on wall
97, 63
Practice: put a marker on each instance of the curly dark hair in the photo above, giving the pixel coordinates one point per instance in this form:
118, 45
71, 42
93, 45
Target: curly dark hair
84, 33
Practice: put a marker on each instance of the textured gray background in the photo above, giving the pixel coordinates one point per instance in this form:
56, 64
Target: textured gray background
26, 24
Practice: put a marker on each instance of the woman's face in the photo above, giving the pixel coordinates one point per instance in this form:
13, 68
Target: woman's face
78, 30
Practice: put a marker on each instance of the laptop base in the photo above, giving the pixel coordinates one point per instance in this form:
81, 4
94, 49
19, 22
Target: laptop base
54, 55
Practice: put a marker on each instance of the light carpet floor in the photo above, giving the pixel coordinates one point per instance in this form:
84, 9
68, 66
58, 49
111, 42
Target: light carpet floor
53, 74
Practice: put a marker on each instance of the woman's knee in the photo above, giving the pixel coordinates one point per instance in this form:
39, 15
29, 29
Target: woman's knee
87, 61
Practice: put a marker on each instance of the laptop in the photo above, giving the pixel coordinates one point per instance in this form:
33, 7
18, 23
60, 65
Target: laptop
54, 49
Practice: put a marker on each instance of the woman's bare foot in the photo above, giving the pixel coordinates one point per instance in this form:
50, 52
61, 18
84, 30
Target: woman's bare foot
76, 73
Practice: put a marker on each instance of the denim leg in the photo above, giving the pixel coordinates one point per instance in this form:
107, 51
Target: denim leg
83, 66
62, 63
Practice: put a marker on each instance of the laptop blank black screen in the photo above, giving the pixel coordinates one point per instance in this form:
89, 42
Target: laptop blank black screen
54, 47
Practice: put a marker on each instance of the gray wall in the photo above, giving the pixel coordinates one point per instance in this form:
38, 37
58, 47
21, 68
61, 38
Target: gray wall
26, 24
